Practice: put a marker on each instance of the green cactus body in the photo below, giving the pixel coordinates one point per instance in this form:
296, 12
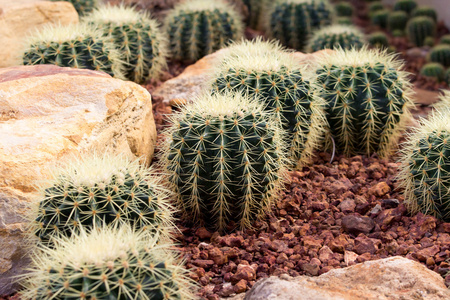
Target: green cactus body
136, 36
419, 28
380, 18
397, 20
447, 76
426, 11
75, 46
425, 165
445, 39
264, 70
374, 7
367, 100
108, 263
344, 21
405, 5
224, 157
379, 39
336, 36
83, 7
255, 9
196, 28
291, 21
433, 70
96, 190
398, 33
441, 54
344, 9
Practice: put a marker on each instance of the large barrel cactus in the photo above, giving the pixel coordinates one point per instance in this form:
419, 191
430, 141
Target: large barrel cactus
225, 158
336, 36
420, 28
368, 99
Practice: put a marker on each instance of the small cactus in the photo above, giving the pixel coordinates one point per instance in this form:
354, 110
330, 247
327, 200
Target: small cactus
368, 99
344, 21
224, 157
196, 28
83, 7
397, 20
76, 46
379, 39
405, 5
433, 70
265, 70
419, 28
429, 41
447, 77
398, 33
255, 10
380, 18
136, 36
441, 54
344, 9
108, 263
374, 7
425, 163
291, 21
336, 36
426, 11
101, 189
445, 39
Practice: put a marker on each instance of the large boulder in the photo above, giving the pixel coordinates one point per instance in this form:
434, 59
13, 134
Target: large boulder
19, 18
394, 278
48, 113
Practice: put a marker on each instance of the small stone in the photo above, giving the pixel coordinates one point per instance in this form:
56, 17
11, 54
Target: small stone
365, 245
203, 233
240, 286
218, 256
227, 290
375, 210
311, 269
350, 257
203, 263
381, 189
325, 254
390, 203
356, 224
347, 206
282, 258
243, 272
430, 261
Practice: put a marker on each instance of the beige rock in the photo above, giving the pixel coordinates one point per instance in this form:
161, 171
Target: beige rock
392, 278
47, 114
19, 18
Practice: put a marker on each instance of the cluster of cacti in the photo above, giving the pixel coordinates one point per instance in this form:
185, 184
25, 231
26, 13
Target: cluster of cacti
109, 263
344, 9
367, 99
224, 156
440, 54
380, 18
378, 39
426, 11
397, 20
336, 36
426, 165
405, 5
196, 28
419, 28
255, 11
433, 70
77, 46
83, 7
136, 36
291, 21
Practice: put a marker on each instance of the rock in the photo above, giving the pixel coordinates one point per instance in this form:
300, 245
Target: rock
244, 272
390, 203
347, 206
356, 224
203, 233
380, 189
392, 278
19, 18
350, 257
47, 114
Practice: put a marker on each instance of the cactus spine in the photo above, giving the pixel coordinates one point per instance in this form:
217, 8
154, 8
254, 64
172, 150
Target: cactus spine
225, 159
368, 99
199, 27
83, 7
441, 54
336, 36
76, 46
397, 20
136, 36
426, 11
433, 70
419, 28
109, 263
379, 39
405, 5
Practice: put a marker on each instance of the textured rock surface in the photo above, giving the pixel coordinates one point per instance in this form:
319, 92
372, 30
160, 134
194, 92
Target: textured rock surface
390, 278
19, 18
45, 118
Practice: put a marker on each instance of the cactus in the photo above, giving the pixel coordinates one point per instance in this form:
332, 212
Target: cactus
405, 5
379, 39
398, 33
344, 9
445, 39
136, 36
441, 54
368, 99
291, 21
76, 46
94, 190
425, 163
109, 263
426, 11
336, 36
344, 21
224, 157
447, 76
255, 10
265, 70
429, 41
380, 18
419, 28
83, 7
374, 7
433, 70
199, 27
397, 20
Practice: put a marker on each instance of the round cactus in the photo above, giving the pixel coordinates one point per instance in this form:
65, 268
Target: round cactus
368, 99
83, 7
374, 7
441, 54
398, 33
255, 10
77, 46
426, 165
380, 18
291, 21
426, 11
265, 70
397, 20
344, 21
136, 36
445, 39
94, 190
224, 157
109, 263
419, 28
344, 9
429, 41
200, 27
405, 5
447, 76
433, 70
379, 39
336, 36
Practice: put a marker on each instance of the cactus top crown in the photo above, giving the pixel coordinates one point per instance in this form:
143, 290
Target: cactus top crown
116, 14
202, 5
61, 34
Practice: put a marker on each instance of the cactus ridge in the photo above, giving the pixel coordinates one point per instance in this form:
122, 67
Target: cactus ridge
441, 54
434, 70
136, 36
419, 28
83, 7
397, 20
225, 159
109, 263
199, 27
368, 99
336, 36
